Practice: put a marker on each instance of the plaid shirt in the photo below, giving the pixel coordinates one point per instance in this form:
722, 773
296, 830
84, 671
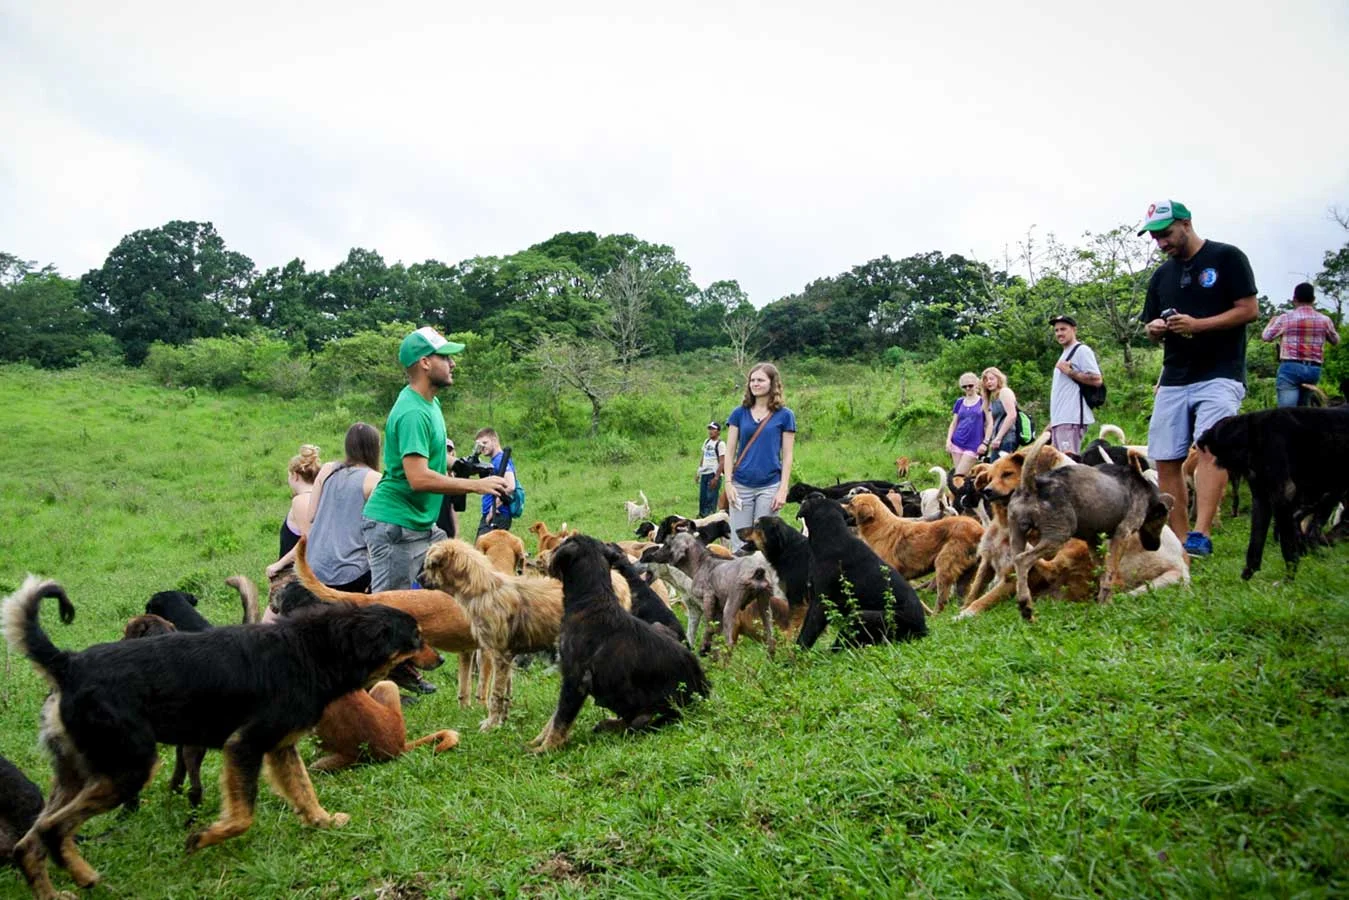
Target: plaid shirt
1304, 332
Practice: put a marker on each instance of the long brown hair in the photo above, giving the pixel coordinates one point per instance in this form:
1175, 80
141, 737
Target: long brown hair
362, 446
775, 398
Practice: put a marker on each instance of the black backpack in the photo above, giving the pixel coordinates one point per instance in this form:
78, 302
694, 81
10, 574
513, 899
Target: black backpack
1094, 397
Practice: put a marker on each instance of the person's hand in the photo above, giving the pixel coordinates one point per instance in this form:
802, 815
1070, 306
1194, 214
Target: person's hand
1156, 329
732, 498
491, 484
1182, 324
274, 570
1064, 367
779, 498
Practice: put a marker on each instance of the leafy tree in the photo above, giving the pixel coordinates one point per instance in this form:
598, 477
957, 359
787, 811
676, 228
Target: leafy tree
42, 320
1333, 279
172, 284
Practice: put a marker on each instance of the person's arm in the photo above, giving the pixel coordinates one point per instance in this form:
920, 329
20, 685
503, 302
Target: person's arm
951, 429
1274, 329
299, 506
1243, 311
307, 520
721, 462
788, 449
1091, 379
987, 443
1331, 334
732, 439
421, 478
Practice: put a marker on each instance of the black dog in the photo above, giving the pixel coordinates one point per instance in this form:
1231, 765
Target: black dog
911, 502
1293, 460
630, 667
186, 760
250, 690
180, 608
788, 552
645, 530
707, 532
646, 603
874, 601
20, 802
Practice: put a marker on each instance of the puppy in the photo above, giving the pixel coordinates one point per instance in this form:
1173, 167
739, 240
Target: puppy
20, 802
508, 614
638, 511
1085, 502
947, 546
249, 690
364, 726
1292, 458
630, 667
873, 602
186, 760
788, 552
646, 603
505, 550
443, 621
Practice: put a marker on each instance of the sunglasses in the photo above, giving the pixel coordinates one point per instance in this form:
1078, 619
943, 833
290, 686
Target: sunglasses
968, 386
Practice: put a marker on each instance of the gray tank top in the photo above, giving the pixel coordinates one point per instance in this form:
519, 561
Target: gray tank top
336, 549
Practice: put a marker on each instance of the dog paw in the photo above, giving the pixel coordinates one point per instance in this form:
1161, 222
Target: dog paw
336, 820
488, 724
194, 841
964, 614
1247, 573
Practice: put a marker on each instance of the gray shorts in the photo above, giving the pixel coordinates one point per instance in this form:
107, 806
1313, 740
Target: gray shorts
396, 553
1067, 438
1182, 413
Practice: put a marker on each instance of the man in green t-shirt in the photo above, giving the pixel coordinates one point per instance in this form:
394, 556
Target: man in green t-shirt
400, 516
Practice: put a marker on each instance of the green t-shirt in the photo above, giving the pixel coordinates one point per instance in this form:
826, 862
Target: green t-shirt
415, 427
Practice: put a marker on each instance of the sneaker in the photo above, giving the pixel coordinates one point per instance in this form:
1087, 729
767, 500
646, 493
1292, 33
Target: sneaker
1197, 544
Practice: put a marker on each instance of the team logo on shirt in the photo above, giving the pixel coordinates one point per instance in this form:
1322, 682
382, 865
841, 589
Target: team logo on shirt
1208, 278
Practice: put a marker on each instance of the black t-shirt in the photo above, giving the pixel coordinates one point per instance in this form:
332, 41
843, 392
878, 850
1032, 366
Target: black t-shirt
1209, 283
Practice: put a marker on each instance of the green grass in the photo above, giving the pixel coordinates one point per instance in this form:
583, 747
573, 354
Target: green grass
1190, 743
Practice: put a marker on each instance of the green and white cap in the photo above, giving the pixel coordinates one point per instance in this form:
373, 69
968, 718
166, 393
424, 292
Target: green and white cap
423, 342
1161, 214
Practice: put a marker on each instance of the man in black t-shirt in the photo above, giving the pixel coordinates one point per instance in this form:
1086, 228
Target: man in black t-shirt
1198, 304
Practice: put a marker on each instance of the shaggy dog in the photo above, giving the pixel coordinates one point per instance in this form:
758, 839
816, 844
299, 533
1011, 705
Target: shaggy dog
638, 511
364, 726
508, 614
442, 619
1293, 459
646, 603
186, 760
788, 552
20, 802
505, 550
947, 547
548, 540
630, 667
249, 690
721, 588
1047, 510
874, 603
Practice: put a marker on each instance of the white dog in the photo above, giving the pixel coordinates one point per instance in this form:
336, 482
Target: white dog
638, 511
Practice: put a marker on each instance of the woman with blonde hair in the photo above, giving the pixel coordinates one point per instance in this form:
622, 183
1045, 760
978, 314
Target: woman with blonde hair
300, 475
967, 426
999, 414
759, 470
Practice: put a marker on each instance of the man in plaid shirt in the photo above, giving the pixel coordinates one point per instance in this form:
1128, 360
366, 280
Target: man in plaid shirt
1302, 333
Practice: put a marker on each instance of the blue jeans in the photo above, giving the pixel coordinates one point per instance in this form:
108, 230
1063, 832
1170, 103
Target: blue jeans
1291, 377
707, 495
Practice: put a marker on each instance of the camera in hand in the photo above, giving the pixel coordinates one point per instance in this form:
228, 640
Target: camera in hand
472, 466
1169, 312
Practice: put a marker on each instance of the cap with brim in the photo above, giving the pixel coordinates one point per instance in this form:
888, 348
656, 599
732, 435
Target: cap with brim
716, 425
1161, 214
423, 342
1067, 320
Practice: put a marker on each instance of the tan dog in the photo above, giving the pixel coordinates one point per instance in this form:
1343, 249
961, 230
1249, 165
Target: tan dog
443, 621
947, 546
548, 540
505, 550
902, 467
509, 614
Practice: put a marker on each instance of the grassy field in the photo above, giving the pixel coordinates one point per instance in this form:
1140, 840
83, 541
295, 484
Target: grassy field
1190, 743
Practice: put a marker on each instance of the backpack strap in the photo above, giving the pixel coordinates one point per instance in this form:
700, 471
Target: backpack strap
1081, 412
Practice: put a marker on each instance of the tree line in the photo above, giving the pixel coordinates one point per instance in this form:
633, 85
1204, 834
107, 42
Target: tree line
609, 300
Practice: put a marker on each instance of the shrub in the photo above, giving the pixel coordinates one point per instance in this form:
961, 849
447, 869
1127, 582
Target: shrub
637, 415
366, 362
612, 449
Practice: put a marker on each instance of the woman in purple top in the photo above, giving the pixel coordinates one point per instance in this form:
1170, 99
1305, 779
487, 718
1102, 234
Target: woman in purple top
757, 478
967, 425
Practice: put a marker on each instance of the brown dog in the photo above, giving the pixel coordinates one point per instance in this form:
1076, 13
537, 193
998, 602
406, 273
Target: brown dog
947, 546
902, 467
443, 621
548, 540
505, 550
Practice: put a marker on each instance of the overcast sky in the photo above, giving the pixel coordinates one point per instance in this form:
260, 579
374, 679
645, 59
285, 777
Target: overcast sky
773, 143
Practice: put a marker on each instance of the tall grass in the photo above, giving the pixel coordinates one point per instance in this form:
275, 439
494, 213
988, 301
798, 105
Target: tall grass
1189, 743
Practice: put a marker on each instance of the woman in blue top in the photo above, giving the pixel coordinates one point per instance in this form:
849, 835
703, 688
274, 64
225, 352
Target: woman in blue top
758, 468
966, 431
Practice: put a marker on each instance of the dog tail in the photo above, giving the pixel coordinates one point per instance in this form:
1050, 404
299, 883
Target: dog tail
26, 636
1115, 430
316, 587
1029, 469
248, 597
645, 502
